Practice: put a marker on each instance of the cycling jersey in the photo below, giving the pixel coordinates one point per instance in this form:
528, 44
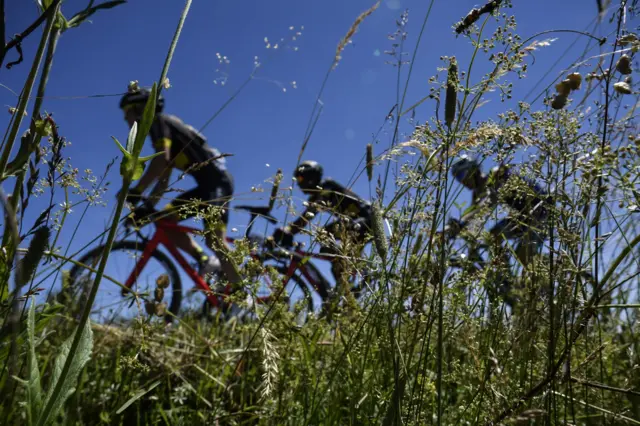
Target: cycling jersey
330, 195
188, 150
533, 204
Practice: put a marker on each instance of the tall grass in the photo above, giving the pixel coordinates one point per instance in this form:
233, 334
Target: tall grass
429, 341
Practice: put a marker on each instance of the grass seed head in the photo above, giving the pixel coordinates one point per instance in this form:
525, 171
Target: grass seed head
452, 91
624, 65
623, 88
379, 237
369, 161
575, 80
564, 87
559, 101
163, 281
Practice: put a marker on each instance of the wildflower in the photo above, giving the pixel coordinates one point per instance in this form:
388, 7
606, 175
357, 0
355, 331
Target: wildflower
13, 110
66, 207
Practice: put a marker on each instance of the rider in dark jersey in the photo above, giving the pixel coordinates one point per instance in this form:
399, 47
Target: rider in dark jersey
354, 213
187, 150
528, 202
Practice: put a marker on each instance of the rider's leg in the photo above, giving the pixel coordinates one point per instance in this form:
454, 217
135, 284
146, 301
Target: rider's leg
187, 201
190, 201
334, 230
217, 230
351, 234
183, 240
505, 229
216, 242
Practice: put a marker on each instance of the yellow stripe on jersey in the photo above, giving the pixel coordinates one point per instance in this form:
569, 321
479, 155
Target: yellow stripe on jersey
162, 144
182, 161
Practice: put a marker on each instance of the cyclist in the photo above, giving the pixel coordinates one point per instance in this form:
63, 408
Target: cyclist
185, 149
528, 202
328, 195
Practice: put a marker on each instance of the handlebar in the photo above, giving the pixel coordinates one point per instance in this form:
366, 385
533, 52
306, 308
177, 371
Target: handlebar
263, 211
146, 209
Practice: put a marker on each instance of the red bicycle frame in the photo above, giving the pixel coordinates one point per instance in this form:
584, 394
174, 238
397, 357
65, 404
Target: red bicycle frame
160, 237
298, 261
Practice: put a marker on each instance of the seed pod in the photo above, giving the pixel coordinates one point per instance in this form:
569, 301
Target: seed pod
163, 281
30, 261
575, 80
627, 39
150, 307
161, 309
624, 65
623, 88
417, 246
379, 237
159, 294
559, 102
564, 87
452, 91
369, 161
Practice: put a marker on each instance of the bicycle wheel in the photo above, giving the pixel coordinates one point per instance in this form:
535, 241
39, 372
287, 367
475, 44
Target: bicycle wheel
295, 294
150, 293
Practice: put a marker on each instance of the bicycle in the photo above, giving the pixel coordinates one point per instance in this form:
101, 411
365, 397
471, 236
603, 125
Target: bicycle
291, 266
477, 261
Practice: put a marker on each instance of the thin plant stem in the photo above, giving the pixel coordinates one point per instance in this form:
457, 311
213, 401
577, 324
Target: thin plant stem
174, 43
46, 412
26, 93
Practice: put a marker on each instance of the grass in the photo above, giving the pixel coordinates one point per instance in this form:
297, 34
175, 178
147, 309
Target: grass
428, 342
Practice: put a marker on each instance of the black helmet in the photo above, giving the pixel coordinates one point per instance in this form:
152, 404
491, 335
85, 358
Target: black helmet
308, 174
140, 97
464, 167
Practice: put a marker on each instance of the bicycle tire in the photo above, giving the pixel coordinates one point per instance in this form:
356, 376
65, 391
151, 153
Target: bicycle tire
300, 282
175, 295
228, 312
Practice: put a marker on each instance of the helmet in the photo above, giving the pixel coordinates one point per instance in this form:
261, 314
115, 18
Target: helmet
308, 174
464, 167
140, 97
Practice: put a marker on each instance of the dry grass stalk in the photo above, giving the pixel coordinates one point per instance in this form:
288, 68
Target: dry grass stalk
354, 27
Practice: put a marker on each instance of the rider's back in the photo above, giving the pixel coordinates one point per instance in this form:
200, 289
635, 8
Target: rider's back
188, 148
340, 199
519, 192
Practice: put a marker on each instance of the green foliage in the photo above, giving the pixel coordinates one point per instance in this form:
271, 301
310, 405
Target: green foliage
444, 332
35, 402
34, 391
132, 165
68, 386
30, 261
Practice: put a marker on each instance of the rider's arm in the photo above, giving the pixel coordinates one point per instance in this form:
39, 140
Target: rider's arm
160, 167
161, 186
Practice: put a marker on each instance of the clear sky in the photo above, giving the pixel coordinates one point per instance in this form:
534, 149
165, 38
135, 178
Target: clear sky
265, 124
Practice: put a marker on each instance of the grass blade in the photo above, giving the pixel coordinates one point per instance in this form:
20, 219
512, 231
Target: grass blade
138, 395
82, 356
34, 388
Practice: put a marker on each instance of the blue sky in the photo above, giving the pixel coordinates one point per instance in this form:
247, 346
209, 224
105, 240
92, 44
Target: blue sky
264, 125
